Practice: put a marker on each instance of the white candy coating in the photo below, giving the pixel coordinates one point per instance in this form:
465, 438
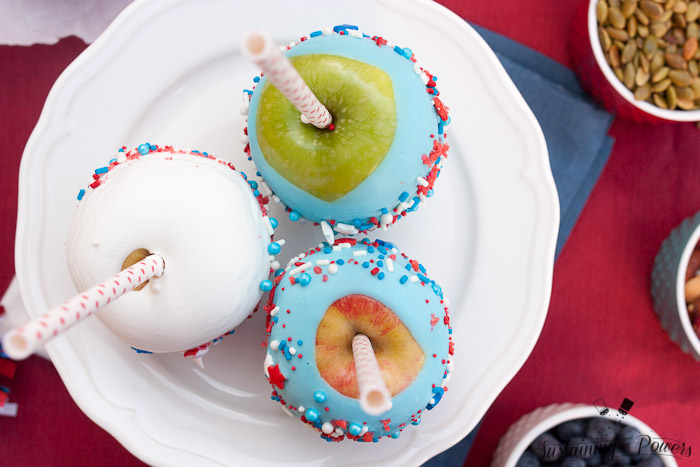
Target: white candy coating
201, 217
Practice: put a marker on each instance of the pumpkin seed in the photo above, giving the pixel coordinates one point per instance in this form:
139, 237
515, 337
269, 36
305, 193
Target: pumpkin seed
618, 34
643, 31
641, 17
693, 68
628, 52
618, 72
659, 29
674, 61
650, 45
615, 18
604, 37
693, 12
689, 48
695, 86
628, 79
692, 30
671, 97
684, 94
680, 7
660, 101
642, 93
652, 9
632, 26
657, 61
601, 11
660, 75
644, 63
628, 7
614, 3
669, 5
680, 78
614, 57
661, 86
679, 20
641, 77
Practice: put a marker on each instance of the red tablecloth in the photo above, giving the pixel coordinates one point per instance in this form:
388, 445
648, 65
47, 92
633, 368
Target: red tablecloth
601, 338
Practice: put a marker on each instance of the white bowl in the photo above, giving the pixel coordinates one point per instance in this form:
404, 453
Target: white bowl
523, 432
626, 94
668, 284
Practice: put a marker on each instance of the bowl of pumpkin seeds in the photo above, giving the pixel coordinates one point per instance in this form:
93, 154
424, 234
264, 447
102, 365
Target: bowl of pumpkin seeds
648, 52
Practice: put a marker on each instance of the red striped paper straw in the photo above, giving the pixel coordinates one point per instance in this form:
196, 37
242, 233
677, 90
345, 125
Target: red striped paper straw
258, 47
23, 341
375, 398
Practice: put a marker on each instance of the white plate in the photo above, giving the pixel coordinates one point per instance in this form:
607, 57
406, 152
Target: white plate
170, 71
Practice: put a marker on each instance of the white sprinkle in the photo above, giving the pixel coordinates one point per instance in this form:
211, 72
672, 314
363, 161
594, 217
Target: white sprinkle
283, 48
275, 265
292, 351
273, 312
395, 251
417, 68
245, 103
121, 157
365, 429
424, 78
301, 409
339, 431
276, 198
267, 364
357, 253
268, 226
281, 242
422, 182
300, 268
327, 428
390, 44
346, 229
327, 232
336, 248
266, 188
354, 33
345, 245
323, 262
287, 411
389, 264
327, 31
446, 301
292, 44
402, 206
413, 279
245, 139
274, 345
304, 120
271, 258
333, 268
432, 400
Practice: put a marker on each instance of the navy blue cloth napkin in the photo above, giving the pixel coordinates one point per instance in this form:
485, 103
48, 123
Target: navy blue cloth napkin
577, 140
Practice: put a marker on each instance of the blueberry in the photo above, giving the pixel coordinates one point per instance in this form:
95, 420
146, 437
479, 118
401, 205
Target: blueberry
601, 429
568, 430
528, 459
573, 462
583, 448
547, 447
630, 438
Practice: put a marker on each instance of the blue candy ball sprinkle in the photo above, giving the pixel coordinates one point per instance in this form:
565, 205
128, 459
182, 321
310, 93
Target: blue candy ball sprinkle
273, 222
294, 216
354, 429
320, 397
274, 248
396, 434
253, 184
266, 285
304, 279
311, 415
144, 149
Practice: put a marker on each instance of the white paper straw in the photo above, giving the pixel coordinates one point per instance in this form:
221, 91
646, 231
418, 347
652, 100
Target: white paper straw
258, 47
375, 398
23, 341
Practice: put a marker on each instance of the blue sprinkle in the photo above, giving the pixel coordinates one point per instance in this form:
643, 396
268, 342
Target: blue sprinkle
342, 27
422, 269
434, 78
274, 248
278, 272
423, 278
273, 222
364, 227
311, 415
275, 319
430, 193
365, 264
403, 196
154, 147
408, 267
256, 79
141, 351
316, 33
380, 263
398, 50
389, 245
266, 285
396, 434
354, 429
357, 223
403, 279
416, 422
248, 91
382, 250
304, 279
253, 184
327, 250
299, 342
81, 193
449, 331
408, 53
112, 161
256, 193
287, 355
257, 172
380, 256
197, 152
283, 345
121, 149
438, 391
144, 149
294, 216
245, 177
320, 397
380, 276
384, 211
340, 262
380, 242
440, 125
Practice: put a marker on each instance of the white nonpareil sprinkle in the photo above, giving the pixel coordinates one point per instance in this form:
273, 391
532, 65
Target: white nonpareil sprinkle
292, 351
413, 278
417, 68
365, 429
266, 188
345, 245
327, 428
274, 345
281, 242
121, 157
336, 248
300, 268
327, 31
245, 139
355, 33
389, 264
301, 409
323, 262
422, 181
333, 268
339, 431
275, 265
357, 253
424, 78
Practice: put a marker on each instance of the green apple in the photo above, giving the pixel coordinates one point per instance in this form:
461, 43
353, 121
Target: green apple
323, 162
